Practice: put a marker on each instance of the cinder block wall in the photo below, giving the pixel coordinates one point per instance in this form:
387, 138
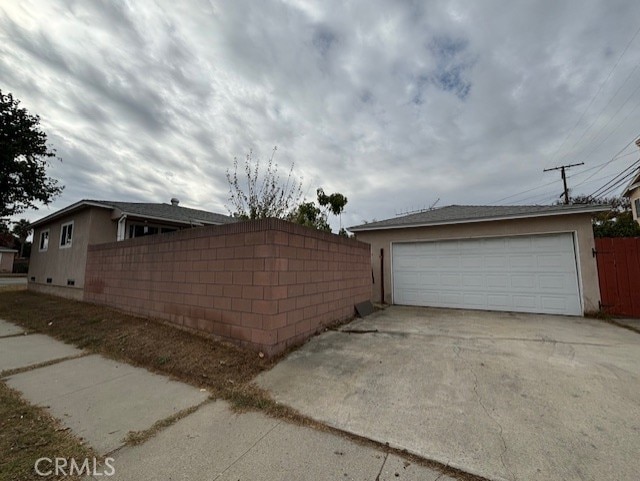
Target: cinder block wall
263, 284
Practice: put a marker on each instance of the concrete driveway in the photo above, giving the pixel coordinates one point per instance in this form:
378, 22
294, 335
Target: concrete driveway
501, 395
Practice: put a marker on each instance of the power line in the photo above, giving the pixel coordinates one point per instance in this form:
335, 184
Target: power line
615, 157
605, 107
608, 186
598, 92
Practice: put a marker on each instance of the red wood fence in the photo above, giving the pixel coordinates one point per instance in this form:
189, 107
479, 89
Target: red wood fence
619, 275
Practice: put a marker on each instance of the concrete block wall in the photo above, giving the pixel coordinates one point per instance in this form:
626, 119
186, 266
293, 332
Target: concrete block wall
264, 284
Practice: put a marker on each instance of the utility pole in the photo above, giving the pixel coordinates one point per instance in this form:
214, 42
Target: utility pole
561, 168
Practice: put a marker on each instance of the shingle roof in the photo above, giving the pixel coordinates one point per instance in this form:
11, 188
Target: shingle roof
458, 214
166, 212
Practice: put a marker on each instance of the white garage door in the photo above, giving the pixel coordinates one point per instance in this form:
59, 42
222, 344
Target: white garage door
535, 273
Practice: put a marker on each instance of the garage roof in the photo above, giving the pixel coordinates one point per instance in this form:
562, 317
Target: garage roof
460, 214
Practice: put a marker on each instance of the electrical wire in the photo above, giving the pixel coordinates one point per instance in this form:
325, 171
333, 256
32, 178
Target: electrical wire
598, 92
607, 187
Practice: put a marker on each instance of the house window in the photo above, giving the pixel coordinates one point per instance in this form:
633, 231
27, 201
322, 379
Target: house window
66, 235
637, 202
44, 240
138, 230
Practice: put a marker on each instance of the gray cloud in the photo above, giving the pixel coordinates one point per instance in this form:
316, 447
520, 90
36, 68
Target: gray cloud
394, 104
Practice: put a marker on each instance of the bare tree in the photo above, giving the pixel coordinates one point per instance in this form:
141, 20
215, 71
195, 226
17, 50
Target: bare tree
258, 195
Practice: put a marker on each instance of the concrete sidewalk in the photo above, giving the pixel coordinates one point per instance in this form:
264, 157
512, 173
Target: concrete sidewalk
101, 400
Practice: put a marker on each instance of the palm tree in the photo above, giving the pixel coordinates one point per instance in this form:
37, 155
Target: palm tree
22, 229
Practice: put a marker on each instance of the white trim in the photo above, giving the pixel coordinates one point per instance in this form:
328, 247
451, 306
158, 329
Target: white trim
576, 253
68, 244
122, 228
46, 248
481, 219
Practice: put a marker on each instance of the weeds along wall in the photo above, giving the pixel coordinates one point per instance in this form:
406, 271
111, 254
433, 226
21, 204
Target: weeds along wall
264, 284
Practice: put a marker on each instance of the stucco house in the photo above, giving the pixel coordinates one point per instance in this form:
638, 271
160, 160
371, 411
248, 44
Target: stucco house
7, 257
537, 259
632, 191
60, 240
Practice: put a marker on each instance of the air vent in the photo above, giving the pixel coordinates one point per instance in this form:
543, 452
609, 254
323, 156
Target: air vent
33, 278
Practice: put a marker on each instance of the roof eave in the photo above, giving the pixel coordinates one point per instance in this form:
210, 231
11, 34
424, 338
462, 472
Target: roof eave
71, 208
480, 219
627, 191
196, 222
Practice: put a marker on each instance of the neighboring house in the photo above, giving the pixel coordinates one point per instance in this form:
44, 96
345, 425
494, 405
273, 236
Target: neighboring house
60, 240
7, 257
633, 192
536, 259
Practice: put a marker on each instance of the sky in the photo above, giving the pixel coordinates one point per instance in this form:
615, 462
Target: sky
395, 104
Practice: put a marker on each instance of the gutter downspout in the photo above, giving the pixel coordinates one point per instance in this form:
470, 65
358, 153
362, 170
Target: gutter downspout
122, 231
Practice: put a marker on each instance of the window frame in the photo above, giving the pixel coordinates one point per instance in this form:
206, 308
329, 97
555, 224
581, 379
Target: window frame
637, 206
46, 247
70, 243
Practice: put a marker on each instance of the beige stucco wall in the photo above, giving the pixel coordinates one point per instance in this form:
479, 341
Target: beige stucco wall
6, 261
635, 194
90, 226
578, 223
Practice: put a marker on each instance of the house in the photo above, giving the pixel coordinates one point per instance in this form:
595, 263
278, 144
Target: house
537, 259
60, 240
632, 191
7, 257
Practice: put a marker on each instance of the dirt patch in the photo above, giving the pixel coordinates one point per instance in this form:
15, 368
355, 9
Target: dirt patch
28, 433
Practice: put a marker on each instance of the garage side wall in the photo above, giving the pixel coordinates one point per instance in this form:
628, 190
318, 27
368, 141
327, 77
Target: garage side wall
263, 284
578, 223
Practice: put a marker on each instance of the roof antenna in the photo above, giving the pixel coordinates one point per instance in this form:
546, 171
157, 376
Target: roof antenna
415, 211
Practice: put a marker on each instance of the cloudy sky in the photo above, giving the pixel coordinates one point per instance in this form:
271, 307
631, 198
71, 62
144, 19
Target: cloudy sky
395, 104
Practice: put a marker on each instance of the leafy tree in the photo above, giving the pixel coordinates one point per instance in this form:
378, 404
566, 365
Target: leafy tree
23, 160
21, 230
334, 203
622, 225
258, 195
7, 239
311, 215
615, 222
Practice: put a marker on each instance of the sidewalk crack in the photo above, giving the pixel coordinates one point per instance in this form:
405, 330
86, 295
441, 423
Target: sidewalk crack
456, 350
247, 451
386, 455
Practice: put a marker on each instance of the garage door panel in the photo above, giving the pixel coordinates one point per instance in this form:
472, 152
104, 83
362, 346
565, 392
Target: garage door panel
495, 262
523, 282
472, 280
525, 303
527, 273
527, 262
469, 262
493, 281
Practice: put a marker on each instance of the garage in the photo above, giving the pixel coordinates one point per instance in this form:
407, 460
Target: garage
534, 259
528, 273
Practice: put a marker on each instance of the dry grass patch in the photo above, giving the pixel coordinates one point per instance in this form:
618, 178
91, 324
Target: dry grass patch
158, 347
27, 433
